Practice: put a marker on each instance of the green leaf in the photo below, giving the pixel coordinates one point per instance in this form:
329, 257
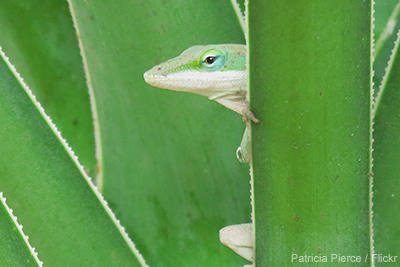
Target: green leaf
61, 213
167, 159
15, 250
382, 11
389, 13
310, 87
40, 40
386, 168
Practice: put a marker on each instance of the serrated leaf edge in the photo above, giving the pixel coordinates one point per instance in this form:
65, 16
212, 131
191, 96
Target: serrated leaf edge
385, 78
93, 105
388, 30
19, 227
371, 136
240, 15
75, 160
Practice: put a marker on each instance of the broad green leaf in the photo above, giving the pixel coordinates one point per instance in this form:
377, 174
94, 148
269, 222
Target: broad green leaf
14, 250
310, 79
386, 166
57, 206
40, 40
167, 159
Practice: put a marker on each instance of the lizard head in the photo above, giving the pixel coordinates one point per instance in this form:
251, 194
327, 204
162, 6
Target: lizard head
200, 68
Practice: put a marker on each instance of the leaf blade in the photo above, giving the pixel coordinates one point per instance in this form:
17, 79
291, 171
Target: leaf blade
61, 213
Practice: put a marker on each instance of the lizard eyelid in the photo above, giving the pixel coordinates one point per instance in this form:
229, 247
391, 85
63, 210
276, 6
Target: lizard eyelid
213, 60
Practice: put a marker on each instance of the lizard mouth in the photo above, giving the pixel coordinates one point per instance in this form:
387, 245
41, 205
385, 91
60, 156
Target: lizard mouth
196, 81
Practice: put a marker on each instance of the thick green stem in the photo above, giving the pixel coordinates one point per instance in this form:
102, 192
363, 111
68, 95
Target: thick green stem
310, 82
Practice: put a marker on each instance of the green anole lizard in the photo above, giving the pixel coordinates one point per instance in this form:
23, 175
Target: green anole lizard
219, 73
215, 71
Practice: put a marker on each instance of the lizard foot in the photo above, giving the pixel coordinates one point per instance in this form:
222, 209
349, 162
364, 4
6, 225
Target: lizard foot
249, 116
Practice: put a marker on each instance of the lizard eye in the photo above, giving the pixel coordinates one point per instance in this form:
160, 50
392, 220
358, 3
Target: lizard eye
212, 60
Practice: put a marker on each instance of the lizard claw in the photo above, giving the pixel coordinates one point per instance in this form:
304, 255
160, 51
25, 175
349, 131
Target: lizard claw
249, 116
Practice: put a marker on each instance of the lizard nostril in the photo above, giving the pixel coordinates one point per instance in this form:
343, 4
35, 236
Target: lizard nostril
160, 68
